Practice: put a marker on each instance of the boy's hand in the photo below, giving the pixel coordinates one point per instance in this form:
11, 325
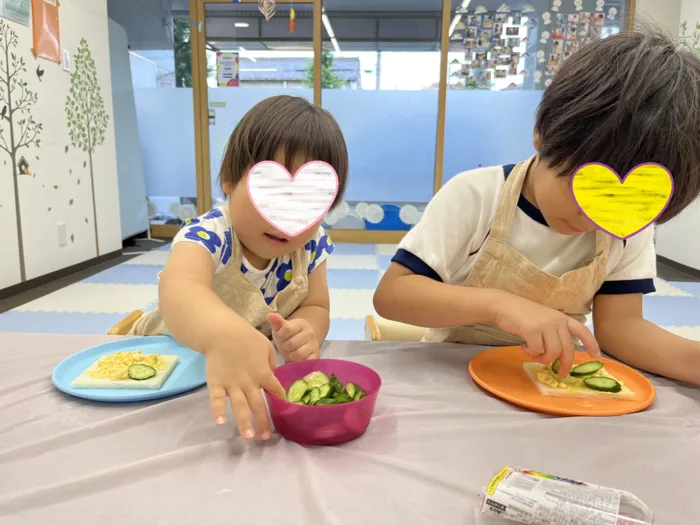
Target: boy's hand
295, 339
548, 333
238, 371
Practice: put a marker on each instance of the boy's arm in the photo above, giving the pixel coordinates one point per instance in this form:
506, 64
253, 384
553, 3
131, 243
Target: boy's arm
622, 332
315, 309
414, 299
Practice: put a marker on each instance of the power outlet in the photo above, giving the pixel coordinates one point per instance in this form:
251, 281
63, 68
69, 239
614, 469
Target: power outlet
67, 61
62, 234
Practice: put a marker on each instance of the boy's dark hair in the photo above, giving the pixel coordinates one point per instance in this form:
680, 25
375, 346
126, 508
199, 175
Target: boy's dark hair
625, 100
287, 124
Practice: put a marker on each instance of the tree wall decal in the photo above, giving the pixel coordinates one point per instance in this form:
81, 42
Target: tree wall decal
18, 129
86, 114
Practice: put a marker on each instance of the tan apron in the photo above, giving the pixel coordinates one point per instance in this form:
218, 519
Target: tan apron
500, 267
241, 295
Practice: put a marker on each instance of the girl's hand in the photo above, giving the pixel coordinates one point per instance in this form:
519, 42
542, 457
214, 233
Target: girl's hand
237, 371
295, 339
548, 333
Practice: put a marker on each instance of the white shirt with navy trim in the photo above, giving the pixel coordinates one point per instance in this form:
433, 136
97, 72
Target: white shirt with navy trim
446, 241
213, 232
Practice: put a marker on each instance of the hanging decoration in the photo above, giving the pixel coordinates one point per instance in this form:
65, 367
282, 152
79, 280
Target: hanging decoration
267, 8
578, 4
480, 10
46, 29
292, 16
612, 13
556, 4
599, 5
528, 9
503, 9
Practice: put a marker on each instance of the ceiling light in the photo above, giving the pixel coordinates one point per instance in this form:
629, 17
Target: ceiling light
241, 24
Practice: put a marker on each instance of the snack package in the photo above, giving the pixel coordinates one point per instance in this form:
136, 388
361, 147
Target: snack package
526, 496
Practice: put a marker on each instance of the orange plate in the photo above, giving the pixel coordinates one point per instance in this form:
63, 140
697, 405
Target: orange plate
500, 372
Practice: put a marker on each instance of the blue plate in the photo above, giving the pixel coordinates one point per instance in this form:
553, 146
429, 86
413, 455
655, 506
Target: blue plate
188, 374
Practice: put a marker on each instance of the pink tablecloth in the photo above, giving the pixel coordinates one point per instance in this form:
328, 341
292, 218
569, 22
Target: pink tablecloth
435, 440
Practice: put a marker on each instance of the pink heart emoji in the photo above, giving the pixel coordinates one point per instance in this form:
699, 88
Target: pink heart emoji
292, 203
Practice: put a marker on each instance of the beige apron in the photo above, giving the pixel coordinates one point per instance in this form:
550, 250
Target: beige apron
500, 267
241, 295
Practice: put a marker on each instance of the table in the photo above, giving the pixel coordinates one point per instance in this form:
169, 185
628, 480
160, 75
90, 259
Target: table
435, 441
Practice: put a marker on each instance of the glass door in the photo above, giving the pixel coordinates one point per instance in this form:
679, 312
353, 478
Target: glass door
243, 58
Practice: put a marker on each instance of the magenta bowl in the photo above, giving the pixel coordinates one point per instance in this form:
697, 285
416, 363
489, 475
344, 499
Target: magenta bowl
324, 425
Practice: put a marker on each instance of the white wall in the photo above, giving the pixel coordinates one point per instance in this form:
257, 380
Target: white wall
665, 13
132, 186
679, 240
58, 189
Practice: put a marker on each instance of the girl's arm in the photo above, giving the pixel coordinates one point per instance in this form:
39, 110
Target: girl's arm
193, 313
315, 309
623, 333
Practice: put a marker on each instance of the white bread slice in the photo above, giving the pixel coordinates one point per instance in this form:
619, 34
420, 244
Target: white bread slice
154, 383
531, 369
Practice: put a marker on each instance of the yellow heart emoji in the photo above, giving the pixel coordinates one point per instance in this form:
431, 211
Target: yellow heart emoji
623, 206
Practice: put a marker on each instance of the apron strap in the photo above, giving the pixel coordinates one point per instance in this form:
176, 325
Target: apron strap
508, 201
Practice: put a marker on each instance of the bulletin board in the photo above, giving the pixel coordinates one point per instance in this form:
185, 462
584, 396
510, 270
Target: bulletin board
525, 48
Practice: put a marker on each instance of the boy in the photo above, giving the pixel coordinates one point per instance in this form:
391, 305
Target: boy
232, 281
504, 256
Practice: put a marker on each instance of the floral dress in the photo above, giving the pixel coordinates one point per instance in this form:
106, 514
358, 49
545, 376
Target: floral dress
213, 232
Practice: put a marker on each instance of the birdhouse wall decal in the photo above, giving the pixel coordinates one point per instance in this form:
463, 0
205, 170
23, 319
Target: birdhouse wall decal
23, 167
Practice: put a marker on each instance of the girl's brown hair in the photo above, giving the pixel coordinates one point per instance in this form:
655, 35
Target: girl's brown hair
285, 125
625, 100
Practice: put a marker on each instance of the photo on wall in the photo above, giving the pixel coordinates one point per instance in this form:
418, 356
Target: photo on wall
474, 20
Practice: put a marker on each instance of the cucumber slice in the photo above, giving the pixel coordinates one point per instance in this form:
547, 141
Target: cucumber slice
305, 399
586, 369
603, 384
141, 372
297, 391
351, 388
314, 396
336, 386
359, 394
325, 390
316, 379
342, 399
555, 365
326, 401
